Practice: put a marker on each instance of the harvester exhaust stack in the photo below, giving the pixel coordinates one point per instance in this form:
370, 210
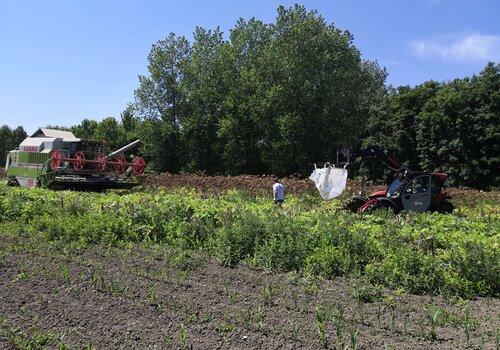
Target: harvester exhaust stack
124, 149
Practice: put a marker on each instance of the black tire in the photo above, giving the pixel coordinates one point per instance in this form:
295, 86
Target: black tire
379, 206
354, 203
12, 181
444, 207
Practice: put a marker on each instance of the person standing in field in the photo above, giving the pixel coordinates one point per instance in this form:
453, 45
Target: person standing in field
278, 192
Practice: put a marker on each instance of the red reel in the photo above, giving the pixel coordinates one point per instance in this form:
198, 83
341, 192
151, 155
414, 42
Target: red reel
101, 162
55, 159
120, 164
78, 161
138, 165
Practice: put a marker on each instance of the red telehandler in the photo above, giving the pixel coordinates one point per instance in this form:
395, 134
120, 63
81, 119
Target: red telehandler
415, 191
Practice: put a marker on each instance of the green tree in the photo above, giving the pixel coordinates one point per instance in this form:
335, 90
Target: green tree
129, 121
393, 123
9, 140
86, 129
112, 133
240, 131
205, 88
5, 142
319, 91
459, 130
160, 102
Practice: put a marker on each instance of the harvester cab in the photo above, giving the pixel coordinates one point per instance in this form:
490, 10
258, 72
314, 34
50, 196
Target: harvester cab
410, 190
57, 159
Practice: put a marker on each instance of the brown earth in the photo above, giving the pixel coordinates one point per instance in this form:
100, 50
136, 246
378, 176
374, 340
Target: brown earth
251, 184
261, 185
140, 297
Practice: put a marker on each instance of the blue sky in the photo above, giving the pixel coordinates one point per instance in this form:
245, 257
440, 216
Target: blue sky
62, 61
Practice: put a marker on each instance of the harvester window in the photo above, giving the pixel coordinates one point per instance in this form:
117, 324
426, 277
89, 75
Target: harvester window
418, 185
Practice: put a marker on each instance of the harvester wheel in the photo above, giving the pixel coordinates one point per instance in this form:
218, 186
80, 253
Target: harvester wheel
101, 162
138, 165
444, 207
120, 164
55, 159
79, 160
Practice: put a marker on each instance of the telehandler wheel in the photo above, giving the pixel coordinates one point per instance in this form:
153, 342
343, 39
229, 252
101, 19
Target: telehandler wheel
379, 206
444, 207
12, 182
354, 203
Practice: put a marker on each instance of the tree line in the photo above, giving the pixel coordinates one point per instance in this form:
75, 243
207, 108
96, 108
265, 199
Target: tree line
274, 98
9, 140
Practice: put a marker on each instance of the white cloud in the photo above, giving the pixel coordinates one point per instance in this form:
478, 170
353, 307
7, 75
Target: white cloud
468, 48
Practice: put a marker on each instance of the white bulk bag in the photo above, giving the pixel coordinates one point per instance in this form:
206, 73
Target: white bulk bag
330, 181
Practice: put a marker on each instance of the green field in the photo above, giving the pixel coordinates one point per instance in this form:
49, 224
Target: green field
448, 255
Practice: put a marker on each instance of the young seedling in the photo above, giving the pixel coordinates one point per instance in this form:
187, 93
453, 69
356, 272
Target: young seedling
183, 337
433, 316
468, 324
379, 310
152, 294
338, 319
168, 342
268, 293
259, 319
116, 288
21, 276
421, 327
482, 342
65, 275
406, 320
97, 279
247, 316
321, 327
226, 327
294, 329
393, 317
353, 336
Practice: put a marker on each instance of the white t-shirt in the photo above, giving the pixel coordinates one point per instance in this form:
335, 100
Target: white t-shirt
280, 191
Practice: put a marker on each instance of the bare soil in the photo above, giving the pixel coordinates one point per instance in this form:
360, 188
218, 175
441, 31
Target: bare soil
261, 185
151, 297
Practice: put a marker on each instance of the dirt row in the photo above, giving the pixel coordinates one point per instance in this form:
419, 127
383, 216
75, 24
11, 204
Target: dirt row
252, 184
261, 185
155, 298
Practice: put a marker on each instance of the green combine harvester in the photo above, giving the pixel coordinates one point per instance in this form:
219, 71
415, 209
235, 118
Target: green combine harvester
59, 160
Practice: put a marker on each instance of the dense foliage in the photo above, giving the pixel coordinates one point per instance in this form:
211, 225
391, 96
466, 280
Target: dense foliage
277, 97
10, 139
451, 127
425, 253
